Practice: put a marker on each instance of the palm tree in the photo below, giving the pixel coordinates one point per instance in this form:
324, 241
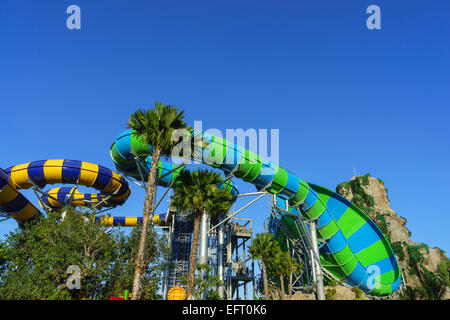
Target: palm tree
263, 248
155, 126
292, 267
279, 267
199, 192
284, 266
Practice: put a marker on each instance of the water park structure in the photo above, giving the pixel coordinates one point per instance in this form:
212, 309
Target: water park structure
328, 234
352, 248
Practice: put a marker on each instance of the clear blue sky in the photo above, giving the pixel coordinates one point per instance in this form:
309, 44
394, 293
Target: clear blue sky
338, 92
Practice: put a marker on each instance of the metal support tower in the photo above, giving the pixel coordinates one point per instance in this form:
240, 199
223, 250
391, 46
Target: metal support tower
240, 267
303, 246
181, 247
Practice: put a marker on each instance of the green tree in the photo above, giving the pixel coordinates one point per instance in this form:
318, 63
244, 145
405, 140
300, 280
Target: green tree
283, 267
198, 192
433, 286
279, 267
156, 260
265, 249
36, 260
155, 127
292, 267
204, 286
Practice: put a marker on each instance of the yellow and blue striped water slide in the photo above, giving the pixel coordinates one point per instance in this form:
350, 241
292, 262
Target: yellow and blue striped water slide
113, 189
354, 249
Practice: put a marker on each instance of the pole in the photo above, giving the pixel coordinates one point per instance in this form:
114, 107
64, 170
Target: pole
220, 260
320, 290
204, 228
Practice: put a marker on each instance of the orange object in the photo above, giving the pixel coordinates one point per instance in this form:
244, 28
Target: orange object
176, 293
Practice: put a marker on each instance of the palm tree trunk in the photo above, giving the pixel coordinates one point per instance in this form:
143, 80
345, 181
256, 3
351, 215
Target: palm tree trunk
265, 281
193, 257
140, 264
282, 287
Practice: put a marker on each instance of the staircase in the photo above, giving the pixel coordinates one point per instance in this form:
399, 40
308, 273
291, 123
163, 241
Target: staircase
181, 249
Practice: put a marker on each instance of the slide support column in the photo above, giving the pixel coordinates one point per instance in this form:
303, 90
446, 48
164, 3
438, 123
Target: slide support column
320, 290
204, 228
220, 260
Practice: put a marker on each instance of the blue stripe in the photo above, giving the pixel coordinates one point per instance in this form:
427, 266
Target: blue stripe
336, 243
44, 200
123, 188
71, 171
232, 158
363, 238
15, 205
310, 200
265, 177
281, 202
324, 219
64, 194
386, 265
358, 278
35, 172
123, 145
292, 185
4, 178
396, 284
207, 138
104, 177
274, 225
119, 220
342, 199
337, 207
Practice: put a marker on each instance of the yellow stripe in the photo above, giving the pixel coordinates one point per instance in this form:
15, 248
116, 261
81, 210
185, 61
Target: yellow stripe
78, 198
88, 174
107, 221
53, 171
7, 194
54, 193
114, 184
122, 197
19, 176
27, 213
130, 221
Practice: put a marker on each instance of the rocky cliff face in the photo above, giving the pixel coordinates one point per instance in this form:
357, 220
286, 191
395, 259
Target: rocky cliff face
425, 270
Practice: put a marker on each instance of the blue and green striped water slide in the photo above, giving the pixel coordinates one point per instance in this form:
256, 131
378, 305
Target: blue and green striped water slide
354, 249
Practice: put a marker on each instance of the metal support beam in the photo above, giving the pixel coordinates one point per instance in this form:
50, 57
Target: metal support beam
320, 291
220, 259
235, 213
203, 239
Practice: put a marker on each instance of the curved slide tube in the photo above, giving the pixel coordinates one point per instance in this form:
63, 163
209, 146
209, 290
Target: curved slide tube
354, 246
158, 219
114, 189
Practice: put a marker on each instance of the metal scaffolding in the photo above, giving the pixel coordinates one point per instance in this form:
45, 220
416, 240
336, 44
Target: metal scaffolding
222, 244
305, 249
180, 240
